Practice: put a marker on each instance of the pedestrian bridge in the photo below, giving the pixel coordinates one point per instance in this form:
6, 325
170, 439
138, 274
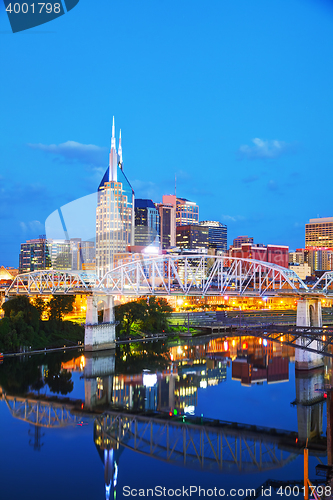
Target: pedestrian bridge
195, 443
167, 275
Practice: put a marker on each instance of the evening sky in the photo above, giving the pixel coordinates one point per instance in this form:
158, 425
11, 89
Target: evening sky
235, 97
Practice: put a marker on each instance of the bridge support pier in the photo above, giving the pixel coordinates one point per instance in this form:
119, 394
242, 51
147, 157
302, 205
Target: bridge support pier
308, 314
98, 378
100, 328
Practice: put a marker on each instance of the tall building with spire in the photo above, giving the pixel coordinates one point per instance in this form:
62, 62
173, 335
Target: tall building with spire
115, 211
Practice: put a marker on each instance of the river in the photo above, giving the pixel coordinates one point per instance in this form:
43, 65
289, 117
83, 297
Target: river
159, 420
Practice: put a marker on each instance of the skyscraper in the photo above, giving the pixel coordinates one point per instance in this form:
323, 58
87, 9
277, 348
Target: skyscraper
192, 236
115, 211
167, 225
217, 234
147, 223
34, 255
187, 212
319, 233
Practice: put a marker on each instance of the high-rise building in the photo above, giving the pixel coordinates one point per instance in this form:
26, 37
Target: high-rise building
192, 236
217, 235
319, 233
147, 223
237, 243
60, 254
83, 255
34, 255
167, 225
187, 212
320, 259
300, 256
115, 211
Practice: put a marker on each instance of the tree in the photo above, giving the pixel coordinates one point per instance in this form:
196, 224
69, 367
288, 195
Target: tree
130, 313
156, 318
22, 304
40, 305
59, 381
60, 305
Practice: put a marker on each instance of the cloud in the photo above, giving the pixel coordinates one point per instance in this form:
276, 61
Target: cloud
263, 149
232, 218
250, 178
72, 151
146, 189
272, 185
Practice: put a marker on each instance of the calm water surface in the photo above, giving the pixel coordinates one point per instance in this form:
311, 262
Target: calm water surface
105, 426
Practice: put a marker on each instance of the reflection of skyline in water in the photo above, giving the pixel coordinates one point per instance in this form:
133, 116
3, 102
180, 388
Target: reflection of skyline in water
177, 379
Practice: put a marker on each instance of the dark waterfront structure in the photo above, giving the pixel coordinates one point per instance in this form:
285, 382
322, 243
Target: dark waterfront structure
217, 235
192, 236
147, 223
34, 255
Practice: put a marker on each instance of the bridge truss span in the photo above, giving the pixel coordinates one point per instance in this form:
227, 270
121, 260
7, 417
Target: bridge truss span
200, 275
325, 283
47, 282
41, 413
204, 447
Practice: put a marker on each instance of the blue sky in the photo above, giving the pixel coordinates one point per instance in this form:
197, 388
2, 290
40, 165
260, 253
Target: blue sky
233, 96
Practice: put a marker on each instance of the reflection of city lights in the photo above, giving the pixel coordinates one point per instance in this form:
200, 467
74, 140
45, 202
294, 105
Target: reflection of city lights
203, 384
149, 379
189, 410
82, 362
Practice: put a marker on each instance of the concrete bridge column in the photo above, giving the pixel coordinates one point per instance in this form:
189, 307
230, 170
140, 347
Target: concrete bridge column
98, 379
100, 329
309, 403
308, 314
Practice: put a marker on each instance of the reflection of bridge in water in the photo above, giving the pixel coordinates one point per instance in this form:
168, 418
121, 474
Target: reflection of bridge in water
41, 413
191, 442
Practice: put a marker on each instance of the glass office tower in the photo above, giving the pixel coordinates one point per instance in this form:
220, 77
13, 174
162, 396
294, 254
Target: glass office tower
115, 211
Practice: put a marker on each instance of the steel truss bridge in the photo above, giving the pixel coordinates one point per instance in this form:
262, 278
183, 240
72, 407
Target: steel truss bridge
41, 413
216, 446
194, 442
300, 337
175, 275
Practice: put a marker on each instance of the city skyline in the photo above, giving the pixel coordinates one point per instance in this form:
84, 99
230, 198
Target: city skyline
237, 106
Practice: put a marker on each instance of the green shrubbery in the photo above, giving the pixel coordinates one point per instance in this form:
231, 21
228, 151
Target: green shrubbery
22, 325
144, 316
